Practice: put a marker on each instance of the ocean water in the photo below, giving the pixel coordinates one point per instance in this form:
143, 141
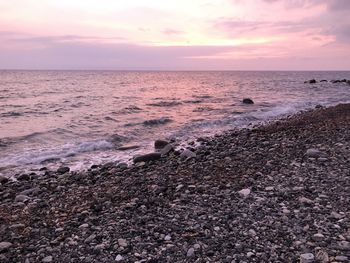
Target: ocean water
80, 118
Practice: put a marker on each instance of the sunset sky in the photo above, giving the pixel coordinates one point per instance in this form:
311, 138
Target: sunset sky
175, 35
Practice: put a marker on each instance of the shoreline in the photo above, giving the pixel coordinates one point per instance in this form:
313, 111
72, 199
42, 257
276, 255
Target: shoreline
274, 192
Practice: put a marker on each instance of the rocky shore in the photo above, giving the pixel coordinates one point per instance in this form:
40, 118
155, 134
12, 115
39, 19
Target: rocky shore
273, 193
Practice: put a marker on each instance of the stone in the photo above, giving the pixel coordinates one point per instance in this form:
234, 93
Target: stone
84, 226
119, 258
3, 179
122, 242
344, 245
128, 147
190, 252
311, 81
47, 259
244, 192
305, 200
167, 238
307, 258
314, 153
187, 154
323, 80
5, 246
21, 198
341, 258
122, 165
318, 237
252, 232
160, 144
167, 149
63, 170
147, 157
247, 101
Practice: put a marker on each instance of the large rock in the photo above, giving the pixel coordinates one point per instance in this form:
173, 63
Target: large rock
311, 81
307, 258
248, 101
147, 157
315, 153
160, 144
63, 170
3, 179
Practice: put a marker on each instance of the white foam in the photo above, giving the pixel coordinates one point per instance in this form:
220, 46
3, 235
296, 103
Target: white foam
39, 156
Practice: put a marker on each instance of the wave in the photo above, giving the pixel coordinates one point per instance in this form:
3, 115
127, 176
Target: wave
50, 155
165, 104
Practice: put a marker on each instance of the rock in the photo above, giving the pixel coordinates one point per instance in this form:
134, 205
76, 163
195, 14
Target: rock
187, 154
5, 246
122, 165
47, 259
305, 200
167, 149
119, 258
307, 258
128, 147
23, 177
311, 81
90, 238
336, 215
147, 157
341, 258
247, 101
314, 153
108, 166
244, 192
160, 144
344, 245
3, 179
190, 252
63, 170
167, 238
122, 242
323, 80
21, 198
318, 237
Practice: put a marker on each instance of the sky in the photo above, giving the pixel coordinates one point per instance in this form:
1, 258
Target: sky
175, 35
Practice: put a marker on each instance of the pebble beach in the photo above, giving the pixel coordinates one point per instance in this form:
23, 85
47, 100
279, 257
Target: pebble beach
277, 192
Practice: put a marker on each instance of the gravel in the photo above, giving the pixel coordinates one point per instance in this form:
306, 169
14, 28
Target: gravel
250, 195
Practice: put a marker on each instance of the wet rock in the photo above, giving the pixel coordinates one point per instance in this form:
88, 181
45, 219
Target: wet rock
3, 179
160, 144
63, 170
187, 154
323, 80
167, 149
247, 101
311, 81
128, 147
23, 177
147, 157
5, 246
122, 165
307, 258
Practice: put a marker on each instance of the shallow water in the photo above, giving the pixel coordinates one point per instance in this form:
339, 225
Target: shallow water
79, 118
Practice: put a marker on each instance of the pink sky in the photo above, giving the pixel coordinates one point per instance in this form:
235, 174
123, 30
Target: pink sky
175, 35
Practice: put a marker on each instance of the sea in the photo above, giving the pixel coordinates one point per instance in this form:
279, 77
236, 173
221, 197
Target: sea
80, 118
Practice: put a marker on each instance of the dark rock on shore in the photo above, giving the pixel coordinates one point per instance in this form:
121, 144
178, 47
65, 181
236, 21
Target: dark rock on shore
160, 144
247, 101
63, 170
311, 81
147, 157
323, 80
128, 147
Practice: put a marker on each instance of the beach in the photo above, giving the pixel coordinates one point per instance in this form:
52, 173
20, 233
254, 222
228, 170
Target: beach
277, 192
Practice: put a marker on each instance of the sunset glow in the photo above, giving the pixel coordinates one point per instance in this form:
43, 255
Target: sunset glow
224, 34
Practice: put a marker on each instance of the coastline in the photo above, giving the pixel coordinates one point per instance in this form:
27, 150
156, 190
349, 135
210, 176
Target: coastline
272, 193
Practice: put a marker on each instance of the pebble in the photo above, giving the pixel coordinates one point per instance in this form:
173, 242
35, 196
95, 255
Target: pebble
47, 259
341, 258
167, 238
244, 192
307, 258
5, 245
190, 252
318, 237
21, 198
122, 242
119, 258
314, 153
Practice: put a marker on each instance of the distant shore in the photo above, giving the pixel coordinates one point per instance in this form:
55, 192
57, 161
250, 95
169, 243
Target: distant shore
278, 192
